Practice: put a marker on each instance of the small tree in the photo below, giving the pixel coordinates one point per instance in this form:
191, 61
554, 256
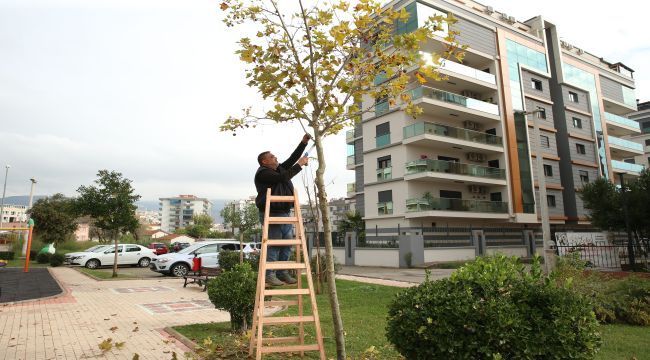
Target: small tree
319, 63
246, 219
111, 203
55, 218
200, 227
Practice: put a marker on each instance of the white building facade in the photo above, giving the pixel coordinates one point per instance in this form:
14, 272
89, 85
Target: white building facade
177, 212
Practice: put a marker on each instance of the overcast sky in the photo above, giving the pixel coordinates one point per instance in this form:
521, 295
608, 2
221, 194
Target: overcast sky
140, 86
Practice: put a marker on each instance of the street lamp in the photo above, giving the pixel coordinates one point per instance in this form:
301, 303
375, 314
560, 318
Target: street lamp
31, 196
2, 204
541, 180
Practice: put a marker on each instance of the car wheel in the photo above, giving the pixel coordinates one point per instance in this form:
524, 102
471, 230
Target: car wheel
179, 270
144, 262
92, 264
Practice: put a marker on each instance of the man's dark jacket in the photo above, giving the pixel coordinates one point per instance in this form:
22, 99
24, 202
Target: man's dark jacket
279, 181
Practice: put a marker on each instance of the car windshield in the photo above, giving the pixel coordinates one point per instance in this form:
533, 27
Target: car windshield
97, 248
189, 249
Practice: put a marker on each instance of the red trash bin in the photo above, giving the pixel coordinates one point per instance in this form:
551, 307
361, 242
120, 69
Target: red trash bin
196, 264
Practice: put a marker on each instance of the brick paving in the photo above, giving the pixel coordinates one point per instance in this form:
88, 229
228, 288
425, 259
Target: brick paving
72, 325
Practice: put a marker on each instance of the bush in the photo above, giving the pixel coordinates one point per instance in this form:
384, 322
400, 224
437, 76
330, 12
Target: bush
493, 308
228, 259
234, 291
56, 259
43, 258
7, 255
32, 255
624, 301
323, 261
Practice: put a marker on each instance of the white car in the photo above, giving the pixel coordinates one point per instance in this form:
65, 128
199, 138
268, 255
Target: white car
69, 256
179, 263
127, 254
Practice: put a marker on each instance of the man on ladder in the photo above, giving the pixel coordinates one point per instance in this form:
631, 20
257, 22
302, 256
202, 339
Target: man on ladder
277, 176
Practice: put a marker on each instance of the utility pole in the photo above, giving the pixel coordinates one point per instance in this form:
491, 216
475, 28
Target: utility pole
630, 247
31, 197
2, 204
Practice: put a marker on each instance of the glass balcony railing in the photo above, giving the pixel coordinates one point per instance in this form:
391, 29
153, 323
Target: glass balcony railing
452, 132
445, 204
351, 160
621, 165
441, 95
352, 187
382, 140
349, 135
385, 208
384, 174
469, 71
381, 108
450, 167
625, 143
622, 120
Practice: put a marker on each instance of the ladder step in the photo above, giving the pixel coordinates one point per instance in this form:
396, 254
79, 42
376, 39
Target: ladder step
283, 242
284, 265
286, 292
289, 348
288, 319
276, 198
280, 339
283, 220
280, 302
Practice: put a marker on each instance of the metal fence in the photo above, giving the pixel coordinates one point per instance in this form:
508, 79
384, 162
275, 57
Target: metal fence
505, 236
435, 237
610, 257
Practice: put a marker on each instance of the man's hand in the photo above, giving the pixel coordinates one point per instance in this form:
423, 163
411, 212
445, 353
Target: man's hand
303, 161
305, 138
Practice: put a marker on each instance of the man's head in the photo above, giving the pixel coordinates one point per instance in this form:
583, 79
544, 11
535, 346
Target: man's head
268, 160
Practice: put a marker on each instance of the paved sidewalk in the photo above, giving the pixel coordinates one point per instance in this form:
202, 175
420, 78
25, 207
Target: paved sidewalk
71, 326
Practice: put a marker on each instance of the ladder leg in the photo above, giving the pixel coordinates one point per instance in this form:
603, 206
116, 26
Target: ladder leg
301, 326
260, 311
256, 313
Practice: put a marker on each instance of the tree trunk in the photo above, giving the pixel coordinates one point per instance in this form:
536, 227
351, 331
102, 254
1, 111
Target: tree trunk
115, 261
241, 246
327, 230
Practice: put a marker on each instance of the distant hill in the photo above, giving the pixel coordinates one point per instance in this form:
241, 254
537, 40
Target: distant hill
22, 199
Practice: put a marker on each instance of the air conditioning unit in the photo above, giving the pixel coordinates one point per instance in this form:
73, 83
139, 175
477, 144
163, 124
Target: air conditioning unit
511, 19
580, 51
489, 10
504, 16
471, 125
476, 157
477, 189
469, 94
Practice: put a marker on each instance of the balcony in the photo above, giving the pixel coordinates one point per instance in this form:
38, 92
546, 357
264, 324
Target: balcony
456, 208
429, 169
352, 189
621, 126
382, 140
621, 148
350, 135
468, 72
351, 163
384, 174
476, 107
631, 169
385, 208
445, 136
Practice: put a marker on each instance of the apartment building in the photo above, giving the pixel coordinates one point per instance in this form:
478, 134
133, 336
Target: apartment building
469, 160
177, 212
641, 116
13, 213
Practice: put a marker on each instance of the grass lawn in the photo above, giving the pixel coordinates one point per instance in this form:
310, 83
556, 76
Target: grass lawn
21, 263
364, 308
105, 274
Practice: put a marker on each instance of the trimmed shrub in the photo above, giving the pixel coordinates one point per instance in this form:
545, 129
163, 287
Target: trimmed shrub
56, 259
493, 308
228, 259
323, 261
32, 255
234, 291
7, 255
43, 258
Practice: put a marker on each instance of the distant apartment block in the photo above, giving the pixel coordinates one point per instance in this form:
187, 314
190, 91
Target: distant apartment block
177, 212
641, 116
469, 160
14, 213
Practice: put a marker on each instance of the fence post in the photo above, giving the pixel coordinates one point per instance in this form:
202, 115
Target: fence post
411, 249
350, 247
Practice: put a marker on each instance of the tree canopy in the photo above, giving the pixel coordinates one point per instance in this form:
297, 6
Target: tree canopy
54, 218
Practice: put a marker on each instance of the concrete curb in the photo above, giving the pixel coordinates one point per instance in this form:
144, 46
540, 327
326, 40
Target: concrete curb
191, 345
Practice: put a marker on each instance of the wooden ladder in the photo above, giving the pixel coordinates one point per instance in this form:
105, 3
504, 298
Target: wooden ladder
290, 344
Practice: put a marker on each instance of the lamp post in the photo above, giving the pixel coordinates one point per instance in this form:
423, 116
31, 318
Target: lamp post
29, 206
541, 180
4, 190
630, 248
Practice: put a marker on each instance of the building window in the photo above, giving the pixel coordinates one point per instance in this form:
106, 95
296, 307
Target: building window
544, 141
580, 149
647, 142
385, 202
584, 176
645, 127
383, 134
548, 170
450, 194
550, 200
629, 161
541, 113
577, 123
384, 169
573, 97
536, 84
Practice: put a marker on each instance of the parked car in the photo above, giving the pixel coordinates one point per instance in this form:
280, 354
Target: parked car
127, 254
179, 263
159, 248
178, 246
68, 257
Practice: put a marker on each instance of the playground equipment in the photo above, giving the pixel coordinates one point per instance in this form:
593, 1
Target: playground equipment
30, 228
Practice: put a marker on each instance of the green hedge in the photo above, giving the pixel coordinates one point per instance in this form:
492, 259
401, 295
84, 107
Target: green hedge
43, 258
7, 255
56, 259
234, 291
